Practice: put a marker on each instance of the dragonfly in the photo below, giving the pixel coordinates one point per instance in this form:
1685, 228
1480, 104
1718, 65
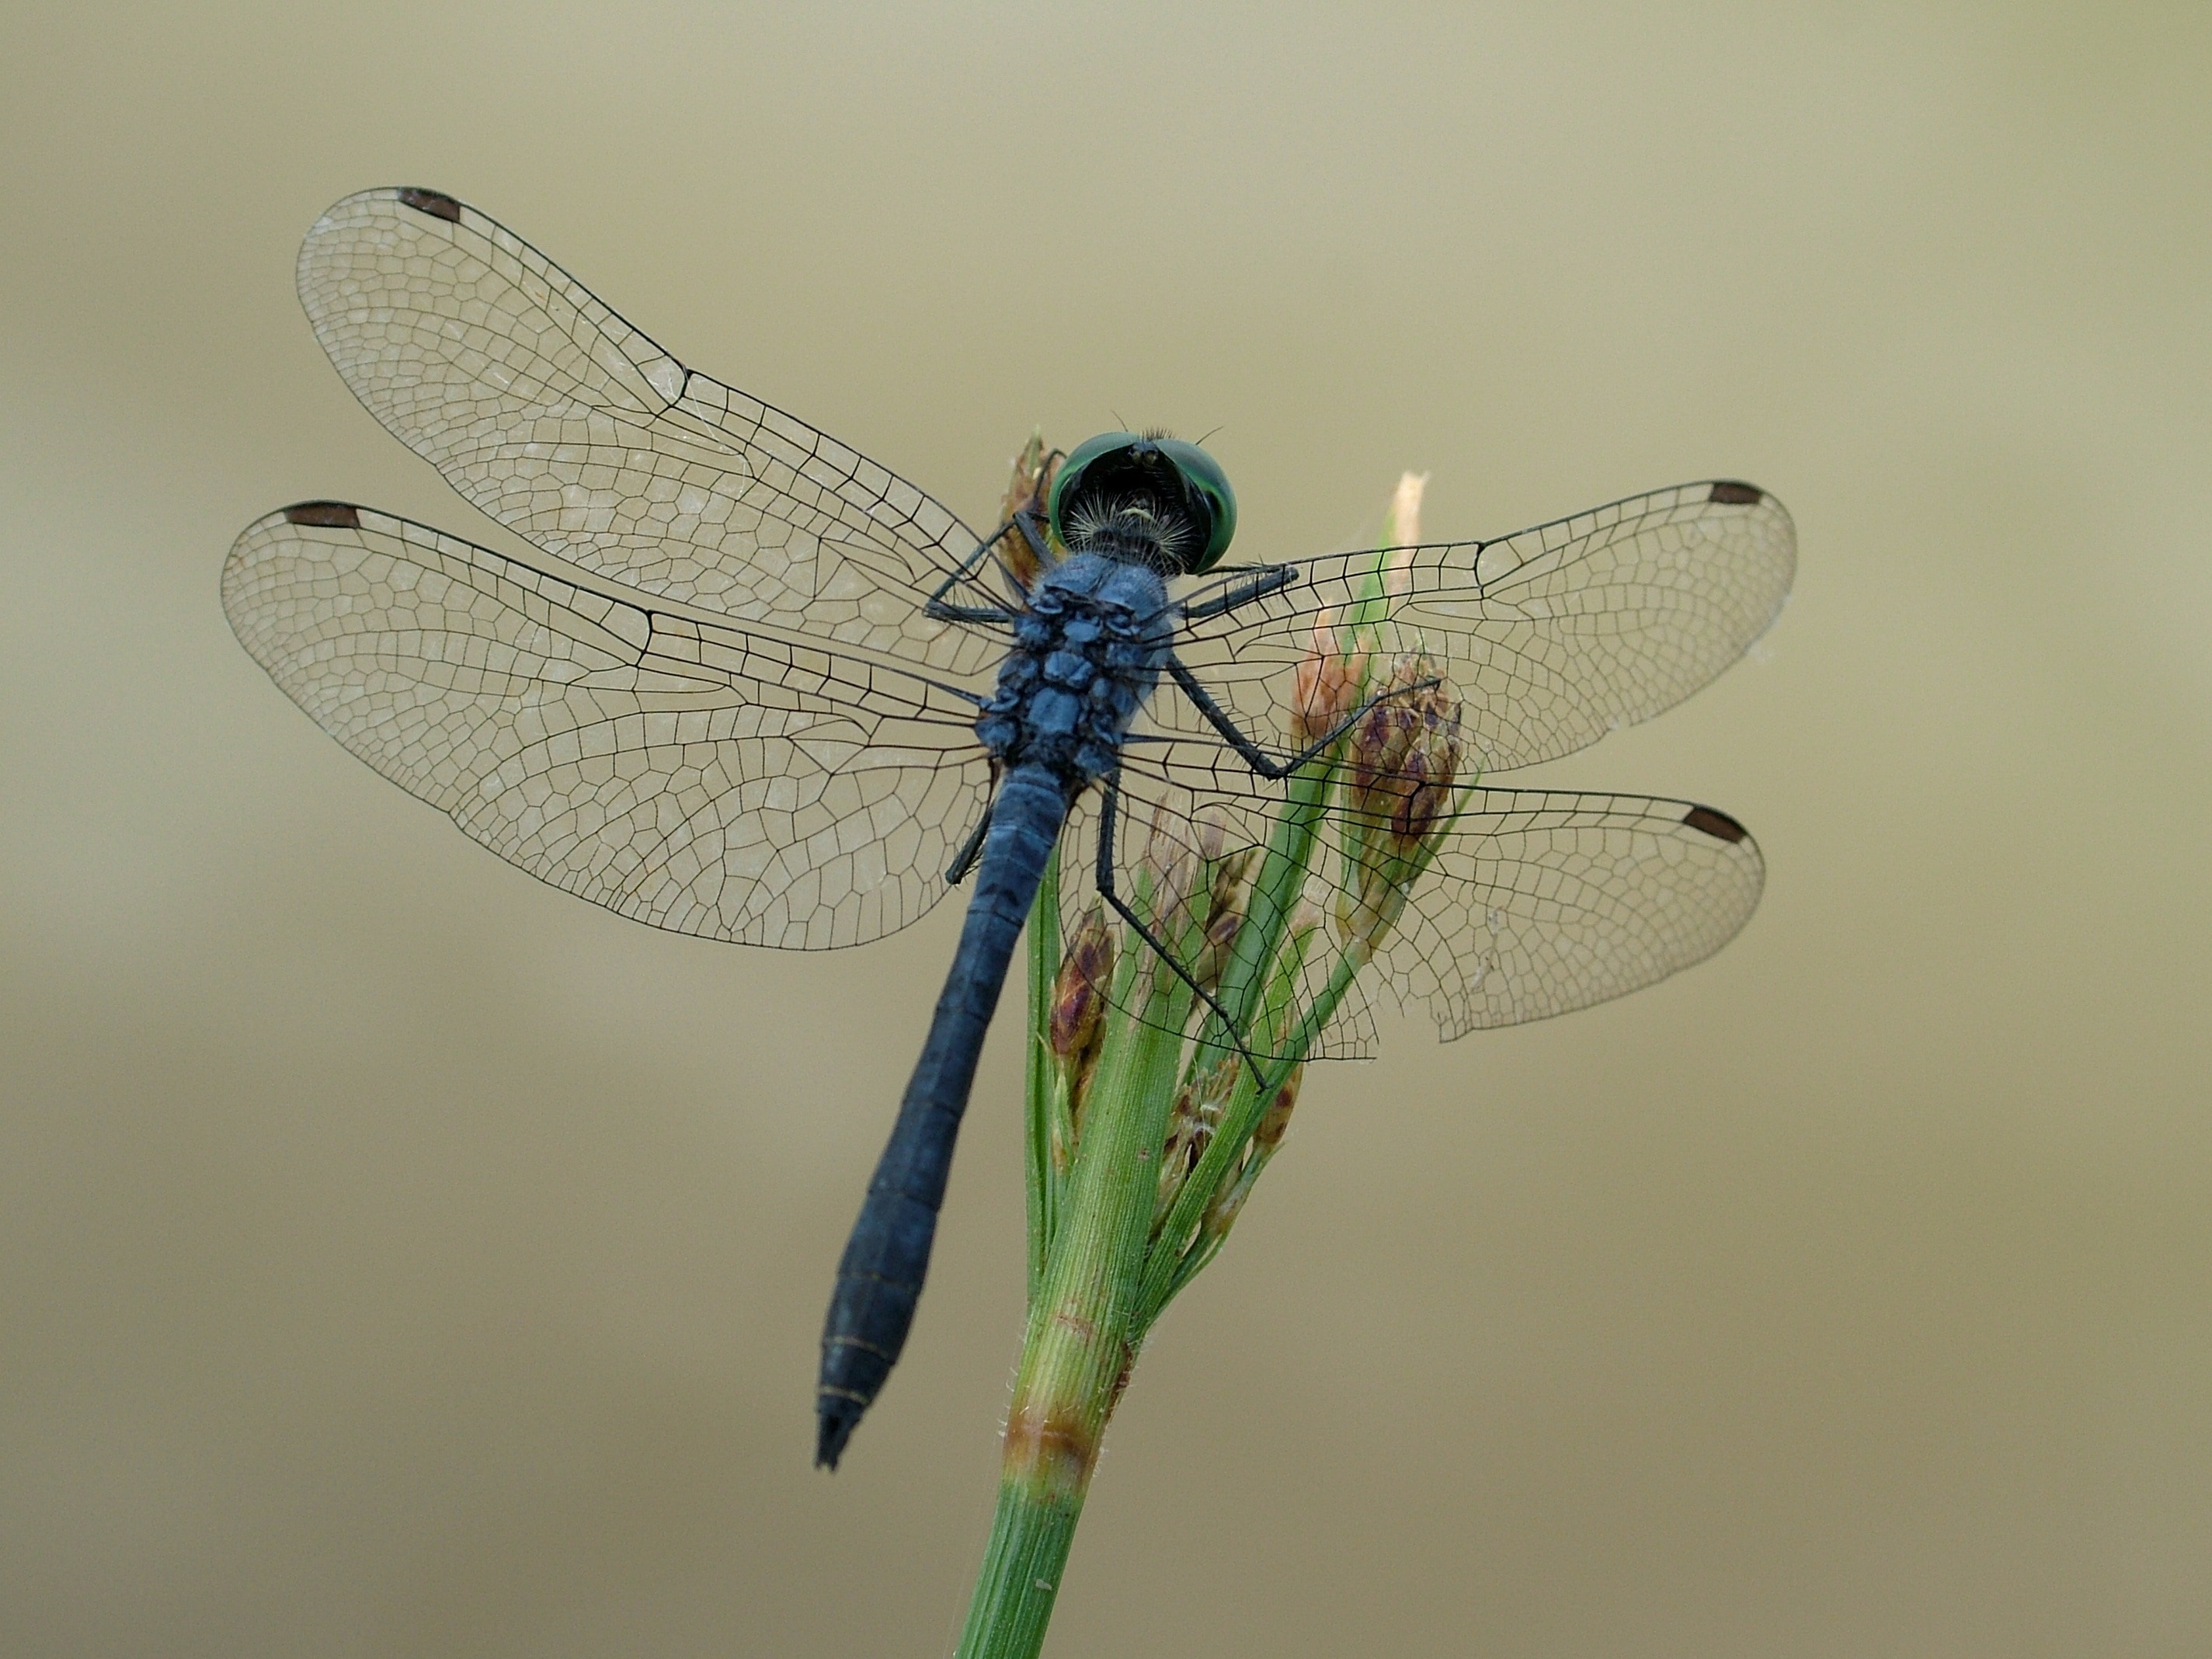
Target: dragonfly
750, 685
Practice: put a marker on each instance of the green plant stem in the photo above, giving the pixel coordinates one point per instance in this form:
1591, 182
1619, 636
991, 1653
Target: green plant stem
1274, 896
1020, 1577
1081, 1342
1100, 1270
1043, 1082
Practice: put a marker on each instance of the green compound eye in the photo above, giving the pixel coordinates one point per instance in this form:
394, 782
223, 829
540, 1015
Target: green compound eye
1123, 461
1203, 474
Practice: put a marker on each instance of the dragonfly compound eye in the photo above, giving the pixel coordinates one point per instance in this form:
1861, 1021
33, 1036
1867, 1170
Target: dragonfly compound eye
1154, 500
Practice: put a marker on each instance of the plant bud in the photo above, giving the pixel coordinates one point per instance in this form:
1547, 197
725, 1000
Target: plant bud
1212, 823
1403, 527
1404, 752
1196, 1115
1029, 490
1231, 897
1228, 1201
1171, 897
1078, 991
1170, 872
1275, 1121
1325, 688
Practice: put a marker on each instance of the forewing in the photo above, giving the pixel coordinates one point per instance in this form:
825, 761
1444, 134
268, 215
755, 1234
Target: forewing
711, 780
1553, 637
556, 416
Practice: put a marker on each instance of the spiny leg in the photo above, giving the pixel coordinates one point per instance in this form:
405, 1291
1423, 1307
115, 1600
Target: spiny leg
939, 609
1273, 579
1250, 752
972, 848
1030, 521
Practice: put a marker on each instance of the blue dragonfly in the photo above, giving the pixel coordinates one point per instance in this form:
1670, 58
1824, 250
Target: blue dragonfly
752, 686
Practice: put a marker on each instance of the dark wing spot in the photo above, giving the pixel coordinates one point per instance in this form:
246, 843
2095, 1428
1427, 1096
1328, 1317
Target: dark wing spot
1736, 494
1719, 825
327, 515
434, 203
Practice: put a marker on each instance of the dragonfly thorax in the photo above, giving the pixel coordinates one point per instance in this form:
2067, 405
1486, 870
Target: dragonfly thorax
1085, 655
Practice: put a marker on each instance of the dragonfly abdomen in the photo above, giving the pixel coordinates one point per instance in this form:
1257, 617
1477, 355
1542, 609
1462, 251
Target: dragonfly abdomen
1087, 652
879, 1278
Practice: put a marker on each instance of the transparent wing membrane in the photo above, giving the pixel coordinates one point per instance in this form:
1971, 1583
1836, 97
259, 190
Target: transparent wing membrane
558, 418
710, 779
735, 716
1553, 637
1537, 903
1533, 902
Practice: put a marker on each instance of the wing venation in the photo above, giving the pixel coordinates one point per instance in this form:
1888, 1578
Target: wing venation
1537, 902
704, 778
577, 430
1553, 637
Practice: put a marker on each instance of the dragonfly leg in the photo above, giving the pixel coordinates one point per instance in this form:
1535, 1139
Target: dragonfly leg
1107, 816
1250, 752
971, 849
941, 608
1030, 523
1272, 579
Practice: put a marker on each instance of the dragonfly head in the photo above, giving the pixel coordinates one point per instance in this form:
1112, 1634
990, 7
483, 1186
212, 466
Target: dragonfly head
1145, 500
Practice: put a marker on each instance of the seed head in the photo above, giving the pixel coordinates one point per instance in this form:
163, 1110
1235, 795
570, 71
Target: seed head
1275, 1121
1403, 757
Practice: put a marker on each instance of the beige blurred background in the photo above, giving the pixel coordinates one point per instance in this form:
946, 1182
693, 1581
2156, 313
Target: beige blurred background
397, 1256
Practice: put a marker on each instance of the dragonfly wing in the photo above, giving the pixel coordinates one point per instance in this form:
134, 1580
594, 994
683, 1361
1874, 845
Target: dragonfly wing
709, 779
1542, 902
1553, 637
1537, 901
558, 418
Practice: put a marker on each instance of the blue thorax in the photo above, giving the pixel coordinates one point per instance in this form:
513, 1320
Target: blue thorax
1085, 655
